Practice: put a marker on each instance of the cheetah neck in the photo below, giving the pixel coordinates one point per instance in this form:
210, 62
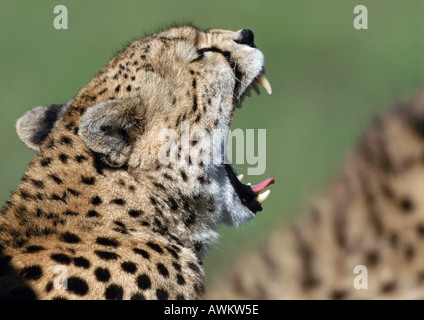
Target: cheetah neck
68, 187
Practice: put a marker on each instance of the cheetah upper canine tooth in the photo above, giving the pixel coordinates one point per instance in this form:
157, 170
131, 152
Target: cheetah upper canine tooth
263, 196
263, 82
240, 177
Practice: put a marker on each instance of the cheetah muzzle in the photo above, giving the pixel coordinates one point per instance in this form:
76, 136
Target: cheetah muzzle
122, 197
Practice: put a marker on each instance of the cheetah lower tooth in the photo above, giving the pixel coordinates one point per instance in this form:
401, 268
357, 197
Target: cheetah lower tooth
255, 87
248, 184
263, 196
240, 177
263, 82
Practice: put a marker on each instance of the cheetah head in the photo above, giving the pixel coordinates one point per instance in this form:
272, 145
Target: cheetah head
164, 106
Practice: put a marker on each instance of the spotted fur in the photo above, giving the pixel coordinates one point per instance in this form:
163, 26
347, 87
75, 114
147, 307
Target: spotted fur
97, 215
372, 215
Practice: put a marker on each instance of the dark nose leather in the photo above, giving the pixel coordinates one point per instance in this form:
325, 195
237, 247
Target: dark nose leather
246, 37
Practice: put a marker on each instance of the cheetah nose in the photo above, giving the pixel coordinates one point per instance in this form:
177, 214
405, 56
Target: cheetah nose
246, 37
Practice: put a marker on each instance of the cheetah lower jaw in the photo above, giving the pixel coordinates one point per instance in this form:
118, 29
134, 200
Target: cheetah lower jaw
249, 196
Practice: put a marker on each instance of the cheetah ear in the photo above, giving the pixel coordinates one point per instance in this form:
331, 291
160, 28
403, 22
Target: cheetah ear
34, 126
110, 127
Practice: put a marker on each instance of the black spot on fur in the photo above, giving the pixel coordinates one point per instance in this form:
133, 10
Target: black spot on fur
114, 292
406, 205
173, 203
388, 287
66, 140
77, 285
420, 230
190, 219
96, 200
372, 258
194, 103
73, 192
180, 280
102, 274
106, 255
172, 252
393, 239
107, 242
128, 88
49, 286
88, 180
338, 295
93, 214
154, 246
63, 158
176, 266
81, 262
129, 267
118, 88
162, 270
137, 296
33, 249
70, 213
118, 201
32, 272
180, 297
25, 194
61, 258
102, 92
142, 252
80, 158
159, 185
183, 175
409, 252
45, 162
135, 213
143, 282
194, 267
38, 183
55, 178
69, 237
162, 294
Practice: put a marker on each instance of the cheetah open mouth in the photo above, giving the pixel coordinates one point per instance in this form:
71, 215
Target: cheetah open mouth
250, 196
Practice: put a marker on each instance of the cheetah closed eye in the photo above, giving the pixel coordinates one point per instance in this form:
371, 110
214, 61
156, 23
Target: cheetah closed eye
99, 213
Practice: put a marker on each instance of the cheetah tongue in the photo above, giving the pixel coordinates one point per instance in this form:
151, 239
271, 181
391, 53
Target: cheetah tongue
261, 186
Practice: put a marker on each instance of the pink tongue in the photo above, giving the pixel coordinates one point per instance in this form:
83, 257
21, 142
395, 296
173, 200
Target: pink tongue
260, 186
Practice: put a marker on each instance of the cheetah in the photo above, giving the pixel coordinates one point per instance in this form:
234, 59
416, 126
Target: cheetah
363, 238
105, 210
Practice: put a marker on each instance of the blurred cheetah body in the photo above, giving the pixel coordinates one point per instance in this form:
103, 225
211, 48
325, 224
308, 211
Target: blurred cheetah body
372, 216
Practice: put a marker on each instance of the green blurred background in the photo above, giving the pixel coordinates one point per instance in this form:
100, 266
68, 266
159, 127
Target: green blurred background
328, 81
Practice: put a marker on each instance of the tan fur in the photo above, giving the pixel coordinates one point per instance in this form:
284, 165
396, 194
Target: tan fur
372, 215
97, 201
